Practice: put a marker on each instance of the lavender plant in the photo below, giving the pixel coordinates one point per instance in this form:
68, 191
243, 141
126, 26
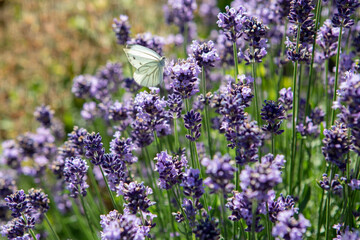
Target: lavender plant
192, 158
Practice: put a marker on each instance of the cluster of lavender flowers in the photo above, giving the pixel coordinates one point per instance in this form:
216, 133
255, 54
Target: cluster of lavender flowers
180, 12
150, 116
184, 75
312, 123
170, 169
122, 226
302, 30
31, 152
336, 145
27, 210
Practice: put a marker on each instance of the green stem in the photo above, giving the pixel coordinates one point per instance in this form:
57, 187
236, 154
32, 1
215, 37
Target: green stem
242, 231
237, 185
281, 57
51, 228
171, 211
253, 211
300, 168
317, 20
268, 222
109, 190
255, 93
337, 72
207, 123
320, 215
328, 109
197, 160
96, 187
328, 201
157, 141
223, 215
185, 39
87, 215
293, 143
235, 62
177, 144
272, 143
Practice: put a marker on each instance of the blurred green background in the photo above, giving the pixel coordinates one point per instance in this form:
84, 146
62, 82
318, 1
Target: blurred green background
44, 44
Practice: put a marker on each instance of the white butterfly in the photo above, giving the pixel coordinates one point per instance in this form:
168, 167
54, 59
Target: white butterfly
149, 65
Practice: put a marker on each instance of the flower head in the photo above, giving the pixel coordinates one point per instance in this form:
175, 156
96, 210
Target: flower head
121, 27
136, 196
75, 176
220, 173
170, 169
205, 54
336, 145
44, 115
192, 183
273, 113
257, 182
288, 227
184, 75
192, 122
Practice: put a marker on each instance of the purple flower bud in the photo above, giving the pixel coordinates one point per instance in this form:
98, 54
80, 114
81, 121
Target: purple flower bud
207, 229
332, 185
205, 54
336, 145
241, 208
44, 115
122, 226
114, 168
82, 86
122, 148
246, 138
18, 203
179, 12
170, 169
38, 200
75, 176
192, 121
121, 27
273, 113
89, 111
220, 173
286, 99
345, 8
288, 227
94, 148
184, 75
257, 182
136, 196
327, 39
175, 105
192, 183
231, 22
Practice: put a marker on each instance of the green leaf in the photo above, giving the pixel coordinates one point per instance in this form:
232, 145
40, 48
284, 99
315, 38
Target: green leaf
306, 197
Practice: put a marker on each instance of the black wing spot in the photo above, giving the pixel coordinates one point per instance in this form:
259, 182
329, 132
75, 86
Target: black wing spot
134, 58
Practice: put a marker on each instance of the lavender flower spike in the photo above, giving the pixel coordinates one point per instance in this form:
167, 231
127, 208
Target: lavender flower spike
75, 176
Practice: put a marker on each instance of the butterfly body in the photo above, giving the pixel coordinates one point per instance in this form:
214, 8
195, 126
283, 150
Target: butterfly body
149, 65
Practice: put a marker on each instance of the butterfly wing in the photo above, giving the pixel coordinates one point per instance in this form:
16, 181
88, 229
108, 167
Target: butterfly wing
148, 75
139, 56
